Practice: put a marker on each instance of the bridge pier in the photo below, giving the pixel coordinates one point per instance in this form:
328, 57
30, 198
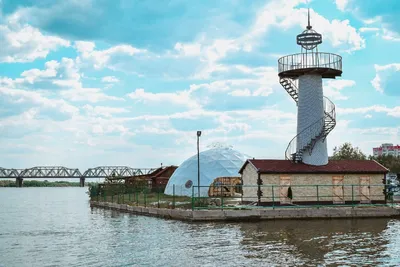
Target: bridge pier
19, 182
82, 181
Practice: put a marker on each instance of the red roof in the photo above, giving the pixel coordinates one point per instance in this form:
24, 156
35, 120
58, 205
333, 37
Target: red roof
334, 166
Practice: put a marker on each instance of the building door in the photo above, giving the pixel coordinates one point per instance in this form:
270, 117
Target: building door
337, 189
285, 182
365, 190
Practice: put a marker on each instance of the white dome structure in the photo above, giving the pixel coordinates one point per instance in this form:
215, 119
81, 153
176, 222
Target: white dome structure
216, 162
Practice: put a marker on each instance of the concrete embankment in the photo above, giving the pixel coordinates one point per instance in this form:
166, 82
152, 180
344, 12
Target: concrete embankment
255, 214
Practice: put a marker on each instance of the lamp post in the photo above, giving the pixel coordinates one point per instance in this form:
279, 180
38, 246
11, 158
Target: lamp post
198, 162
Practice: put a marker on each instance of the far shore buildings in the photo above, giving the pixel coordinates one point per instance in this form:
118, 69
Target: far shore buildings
387, 149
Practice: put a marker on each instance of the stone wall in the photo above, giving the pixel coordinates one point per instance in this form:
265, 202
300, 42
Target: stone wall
304, 189
254, 214
249, 179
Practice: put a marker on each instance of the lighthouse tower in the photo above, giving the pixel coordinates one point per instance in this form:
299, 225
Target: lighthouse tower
301, 75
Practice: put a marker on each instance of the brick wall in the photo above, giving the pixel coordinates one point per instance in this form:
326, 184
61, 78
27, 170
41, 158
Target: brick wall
309, 192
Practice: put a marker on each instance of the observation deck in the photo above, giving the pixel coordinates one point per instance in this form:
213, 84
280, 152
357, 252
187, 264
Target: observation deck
326, 64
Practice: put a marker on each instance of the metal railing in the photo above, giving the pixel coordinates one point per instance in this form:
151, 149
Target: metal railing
310, 60
301, 196
142, 196
255, 196
315, 130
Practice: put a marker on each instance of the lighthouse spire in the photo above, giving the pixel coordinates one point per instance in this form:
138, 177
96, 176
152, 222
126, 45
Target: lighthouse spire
309, 26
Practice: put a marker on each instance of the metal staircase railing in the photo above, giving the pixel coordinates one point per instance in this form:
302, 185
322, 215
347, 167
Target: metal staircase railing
318, 130
290, 87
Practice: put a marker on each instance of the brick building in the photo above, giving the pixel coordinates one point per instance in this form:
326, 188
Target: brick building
387, 149
339, 182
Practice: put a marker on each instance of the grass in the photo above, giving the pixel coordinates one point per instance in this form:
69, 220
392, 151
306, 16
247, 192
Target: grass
150, 199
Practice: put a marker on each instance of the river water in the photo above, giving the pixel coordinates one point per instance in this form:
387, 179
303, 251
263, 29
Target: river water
57, 227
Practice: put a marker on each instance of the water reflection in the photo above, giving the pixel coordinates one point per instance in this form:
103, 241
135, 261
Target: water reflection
322, 241
56, 227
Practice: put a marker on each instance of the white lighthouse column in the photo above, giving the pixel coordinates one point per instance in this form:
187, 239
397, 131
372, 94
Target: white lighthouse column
311, 112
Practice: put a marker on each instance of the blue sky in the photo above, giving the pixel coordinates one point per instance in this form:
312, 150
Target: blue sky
124, 82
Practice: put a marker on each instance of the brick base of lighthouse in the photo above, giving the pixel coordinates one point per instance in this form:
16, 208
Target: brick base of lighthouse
311, 112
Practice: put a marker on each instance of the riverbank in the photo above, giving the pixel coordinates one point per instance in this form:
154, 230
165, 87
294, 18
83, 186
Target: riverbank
45, 183
256, 214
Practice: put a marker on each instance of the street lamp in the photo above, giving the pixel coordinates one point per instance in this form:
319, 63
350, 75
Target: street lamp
198, 162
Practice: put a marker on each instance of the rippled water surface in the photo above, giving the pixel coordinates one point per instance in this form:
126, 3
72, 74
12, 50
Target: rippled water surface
56, 227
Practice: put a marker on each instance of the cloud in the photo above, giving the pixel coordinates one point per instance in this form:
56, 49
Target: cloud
24, 43
127, 20
341, 4
63, 78
285, 15
91, 95
103, 111
241, 92
182, 98
37, 98
55, 75
369, 29
333, 88
259, 81
390, 35
102, 58
188, 49
384, 14
394, 112
110, 79
387, 79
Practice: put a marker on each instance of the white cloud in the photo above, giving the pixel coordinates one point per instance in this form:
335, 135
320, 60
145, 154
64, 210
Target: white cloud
103, 111
58, 77
368, 116
381, 29
55, 75
390, 35
285, 15
369, 29
182, 98
23, 43
101, 58
394, 112
110, 79
241, 92
188, 49
91, 95
383, 73
259, 81
22, 96
342, 4
333, 88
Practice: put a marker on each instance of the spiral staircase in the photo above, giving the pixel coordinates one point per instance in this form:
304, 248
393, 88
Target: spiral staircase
304, 141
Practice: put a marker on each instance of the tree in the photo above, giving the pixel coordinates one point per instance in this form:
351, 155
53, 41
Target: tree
389, 161
347, 151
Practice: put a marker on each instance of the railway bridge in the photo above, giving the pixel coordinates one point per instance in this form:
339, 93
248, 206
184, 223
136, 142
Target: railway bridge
60, 172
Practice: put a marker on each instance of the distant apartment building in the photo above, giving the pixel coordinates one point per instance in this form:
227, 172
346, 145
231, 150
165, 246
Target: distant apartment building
387, 149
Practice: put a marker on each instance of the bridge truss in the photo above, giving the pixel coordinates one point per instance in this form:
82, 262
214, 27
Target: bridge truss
63, 172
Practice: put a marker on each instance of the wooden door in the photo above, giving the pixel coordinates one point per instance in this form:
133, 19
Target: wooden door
285, 182
365, 196
337, 189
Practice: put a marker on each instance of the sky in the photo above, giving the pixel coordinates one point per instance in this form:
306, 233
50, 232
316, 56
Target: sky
86, 83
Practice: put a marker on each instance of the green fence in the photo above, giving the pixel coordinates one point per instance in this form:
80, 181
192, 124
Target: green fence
293, 196
249, 196
145, 197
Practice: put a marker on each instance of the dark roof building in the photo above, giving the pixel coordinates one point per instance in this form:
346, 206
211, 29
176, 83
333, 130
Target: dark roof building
333, 166
340, 182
